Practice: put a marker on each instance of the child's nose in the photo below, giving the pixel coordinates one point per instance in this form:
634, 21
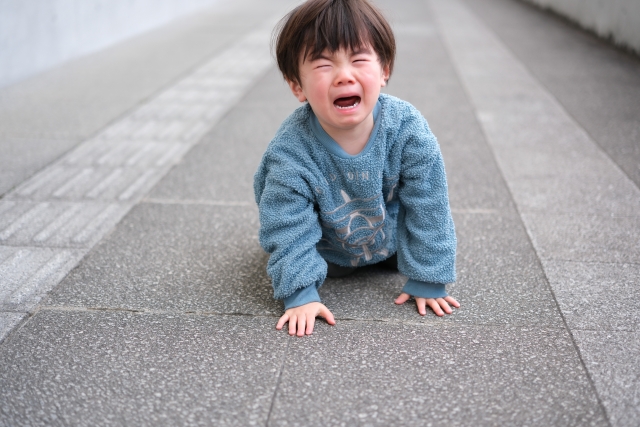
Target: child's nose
344, 76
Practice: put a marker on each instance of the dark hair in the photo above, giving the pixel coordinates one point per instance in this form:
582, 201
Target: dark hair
317, 25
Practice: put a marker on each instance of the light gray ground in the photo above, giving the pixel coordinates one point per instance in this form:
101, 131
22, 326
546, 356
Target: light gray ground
133, 288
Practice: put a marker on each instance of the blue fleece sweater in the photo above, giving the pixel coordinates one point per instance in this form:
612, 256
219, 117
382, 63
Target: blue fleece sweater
318, 203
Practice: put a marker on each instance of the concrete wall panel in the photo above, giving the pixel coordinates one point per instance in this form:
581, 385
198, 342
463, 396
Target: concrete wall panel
38, 34
618, 19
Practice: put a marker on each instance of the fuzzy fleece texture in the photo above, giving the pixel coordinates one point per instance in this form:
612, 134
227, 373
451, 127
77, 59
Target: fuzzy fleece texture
318, 203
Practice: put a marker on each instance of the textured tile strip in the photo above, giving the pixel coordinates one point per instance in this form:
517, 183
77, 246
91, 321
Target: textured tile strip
8, 321
576, 204
52, 220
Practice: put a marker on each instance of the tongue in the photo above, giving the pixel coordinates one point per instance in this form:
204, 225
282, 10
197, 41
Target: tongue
346, 102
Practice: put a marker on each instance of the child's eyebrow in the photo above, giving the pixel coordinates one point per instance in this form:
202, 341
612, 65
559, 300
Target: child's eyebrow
320, 56
357, 51
360, 50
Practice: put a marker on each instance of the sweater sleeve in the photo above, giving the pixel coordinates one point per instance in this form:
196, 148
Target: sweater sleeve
289, 232
426, 234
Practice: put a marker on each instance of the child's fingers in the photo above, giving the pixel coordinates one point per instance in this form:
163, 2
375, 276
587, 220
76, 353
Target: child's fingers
328, 316
402, 298
444, 305
421, 302
312, 321
435, 306
302, 323
452, 301
293, 321
282, 321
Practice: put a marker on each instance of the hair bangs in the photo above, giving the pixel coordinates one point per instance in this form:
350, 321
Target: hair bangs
338, 27
331, 25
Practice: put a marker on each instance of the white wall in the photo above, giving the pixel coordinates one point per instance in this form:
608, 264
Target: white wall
619, 19
38, 34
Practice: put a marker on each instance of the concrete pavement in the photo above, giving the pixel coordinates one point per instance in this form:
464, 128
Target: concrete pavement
134, 290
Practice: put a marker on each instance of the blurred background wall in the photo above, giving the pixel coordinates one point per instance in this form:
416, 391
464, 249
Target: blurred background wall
618, 19
38, 34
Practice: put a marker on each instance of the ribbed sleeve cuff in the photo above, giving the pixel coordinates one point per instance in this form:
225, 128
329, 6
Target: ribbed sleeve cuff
301, 297
419, 289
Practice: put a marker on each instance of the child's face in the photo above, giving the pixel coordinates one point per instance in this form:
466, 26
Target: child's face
342, 88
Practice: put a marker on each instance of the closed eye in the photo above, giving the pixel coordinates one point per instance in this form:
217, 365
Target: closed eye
361, 59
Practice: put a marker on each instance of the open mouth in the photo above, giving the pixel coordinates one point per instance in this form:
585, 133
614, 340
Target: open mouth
347, 102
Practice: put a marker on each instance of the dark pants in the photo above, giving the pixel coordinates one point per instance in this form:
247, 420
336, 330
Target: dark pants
334, 270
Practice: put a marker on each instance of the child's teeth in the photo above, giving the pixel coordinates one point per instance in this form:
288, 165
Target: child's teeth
348, 106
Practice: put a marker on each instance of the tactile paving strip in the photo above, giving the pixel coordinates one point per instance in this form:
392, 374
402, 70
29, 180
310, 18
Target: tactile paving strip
52, 220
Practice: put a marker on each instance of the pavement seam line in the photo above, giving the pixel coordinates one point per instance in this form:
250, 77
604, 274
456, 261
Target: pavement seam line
144, 311
593, 262
199, 202
277, 387
577, 26
470, 97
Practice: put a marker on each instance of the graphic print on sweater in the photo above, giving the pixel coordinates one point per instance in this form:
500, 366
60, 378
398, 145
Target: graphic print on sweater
355, 228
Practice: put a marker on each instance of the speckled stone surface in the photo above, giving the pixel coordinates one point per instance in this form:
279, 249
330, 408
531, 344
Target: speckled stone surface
559, 170
499, 278
499, 281
559, 140
611, 195
117, 368
221, 167
613, 361
381, 374
176, 257
170, 319
472, 174
615, 287
598, 84
589, 238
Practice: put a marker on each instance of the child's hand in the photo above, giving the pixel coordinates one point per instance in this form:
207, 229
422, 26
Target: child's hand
302, 318
436, 304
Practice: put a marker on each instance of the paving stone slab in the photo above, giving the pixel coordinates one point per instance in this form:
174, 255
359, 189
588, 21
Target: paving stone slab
28, 273
540, 123
559, 169
222, 166
596, 296
613, 361
184, 257
588, 193
65, 208
473, 177
588, 238
207, 258
500, 281
119, 368
57, 224
45, 116
598, 84
506, 96
474, 180
380, 374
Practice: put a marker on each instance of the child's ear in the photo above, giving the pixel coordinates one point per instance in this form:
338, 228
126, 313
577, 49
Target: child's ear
296, 90
385, 76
